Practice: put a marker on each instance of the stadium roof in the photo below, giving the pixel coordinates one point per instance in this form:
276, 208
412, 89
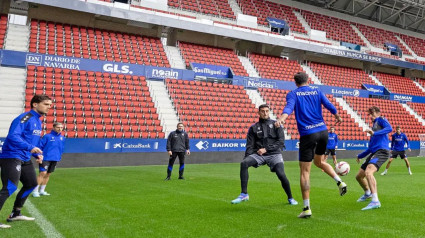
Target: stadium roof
406, 14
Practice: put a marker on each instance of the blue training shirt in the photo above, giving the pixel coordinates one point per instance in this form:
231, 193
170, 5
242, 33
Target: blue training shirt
379, 141
24, 134
307, 103
332, 141
398, 142
52, 145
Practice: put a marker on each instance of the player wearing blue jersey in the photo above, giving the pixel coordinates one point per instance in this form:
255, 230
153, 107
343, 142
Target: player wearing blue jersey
332, 145
52, 145
378, 152
15, 159
398, 140
307, 103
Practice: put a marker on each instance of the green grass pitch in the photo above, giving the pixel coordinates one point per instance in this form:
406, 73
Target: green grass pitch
137, 202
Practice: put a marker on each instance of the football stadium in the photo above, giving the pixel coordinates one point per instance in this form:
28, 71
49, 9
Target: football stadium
142, 118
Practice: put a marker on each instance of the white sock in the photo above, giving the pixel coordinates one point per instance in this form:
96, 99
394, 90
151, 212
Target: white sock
306, 202
337, 179
375, 197
409, 170
36, 188
367, 192
385, 170
42, 187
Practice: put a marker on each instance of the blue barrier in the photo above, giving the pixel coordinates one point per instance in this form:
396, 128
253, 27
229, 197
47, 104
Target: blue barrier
113, 145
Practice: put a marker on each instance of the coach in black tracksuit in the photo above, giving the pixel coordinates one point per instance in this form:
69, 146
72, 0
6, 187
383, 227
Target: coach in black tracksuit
177, 145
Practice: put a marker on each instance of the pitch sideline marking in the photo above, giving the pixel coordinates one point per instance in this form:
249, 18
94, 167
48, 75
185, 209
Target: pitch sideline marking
47, 227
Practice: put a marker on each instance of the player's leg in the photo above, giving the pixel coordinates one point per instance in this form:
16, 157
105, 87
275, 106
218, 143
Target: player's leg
394, 155
361, 179
277, 166
44, 184
40, 179
29, 182
305, 168
320, 161
404, 157
181, 161
376, 161
10, 173
369, 173
171, 161
244, 176
334, 157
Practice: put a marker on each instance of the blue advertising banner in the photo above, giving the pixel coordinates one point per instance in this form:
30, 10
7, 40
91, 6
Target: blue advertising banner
391, 47
22, 59
211, 71
114, 145
278, 23
375, 89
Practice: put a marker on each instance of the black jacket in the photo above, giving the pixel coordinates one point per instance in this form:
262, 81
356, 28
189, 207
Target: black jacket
273, 140
178, 141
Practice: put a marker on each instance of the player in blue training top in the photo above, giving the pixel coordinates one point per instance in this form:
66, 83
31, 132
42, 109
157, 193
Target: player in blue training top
52, 145
378, 152
15, 159
332, 145
398, 140
307, 103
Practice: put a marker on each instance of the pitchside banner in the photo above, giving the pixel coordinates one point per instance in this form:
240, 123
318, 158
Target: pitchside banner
22, 59
114, 145
407, 98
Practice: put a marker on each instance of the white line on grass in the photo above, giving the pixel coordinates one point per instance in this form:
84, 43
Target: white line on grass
47, 227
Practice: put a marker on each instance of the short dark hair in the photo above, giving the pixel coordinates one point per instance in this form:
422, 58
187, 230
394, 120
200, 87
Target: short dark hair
397, 127
332, 127
55, 124
263, 106
301, 78
38, 99
373, 109
180, 123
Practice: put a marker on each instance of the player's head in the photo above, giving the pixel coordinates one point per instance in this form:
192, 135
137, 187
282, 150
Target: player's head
41, 104
374, 112
264, 111
180, 126
333, 129
58, 127
300, 78
398, 129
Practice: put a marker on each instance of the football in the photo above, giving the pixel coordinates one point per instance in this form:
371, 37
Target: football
342, 168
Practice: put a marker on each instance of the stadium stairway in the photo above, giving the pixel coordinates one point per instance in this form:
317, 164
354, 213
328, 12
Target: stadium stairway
368, 44
352, 113
252, 72
235, 7
311, 74
165, 109
419, 86
303, 22
17, 37
12, 90
411, 52
413, 113
376, 80
173, 55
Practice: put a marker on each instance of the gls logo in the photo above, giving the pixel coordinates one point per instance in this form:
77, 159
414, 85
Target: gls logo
114, 68
33, 59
